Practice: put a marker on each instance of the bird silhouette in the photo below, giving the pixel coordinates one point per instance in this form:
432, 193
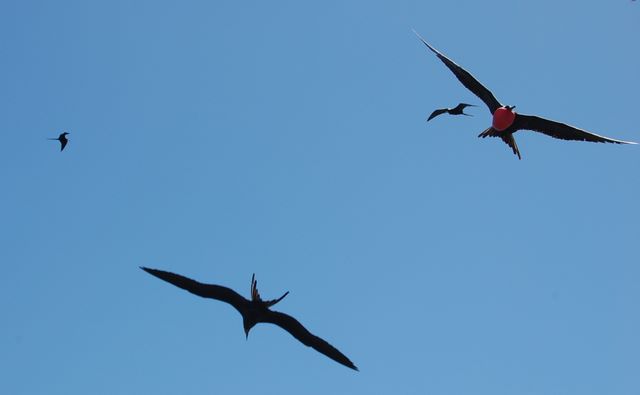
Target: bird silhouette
254, 311
62, 139
457, 110
506, 121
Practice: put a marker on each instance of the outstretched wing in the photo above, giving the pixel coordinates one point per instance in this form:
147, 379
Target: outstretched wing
436, 113
560, 130
298, 331
63, 143
211, 291
466, 79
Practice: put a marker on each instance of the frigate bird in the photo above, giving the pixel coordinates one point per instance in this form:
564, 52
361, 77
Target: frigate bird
254, 311
457, 110
62, 139
506, 121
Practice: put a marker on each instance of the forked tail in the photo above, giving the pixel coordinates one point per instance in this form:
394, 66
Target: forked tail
270, 303
255, 295
507, 138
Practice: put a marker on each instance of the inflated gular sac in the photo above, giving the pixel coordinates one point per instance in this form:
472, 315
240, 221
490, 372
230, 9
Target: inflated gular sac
503, 118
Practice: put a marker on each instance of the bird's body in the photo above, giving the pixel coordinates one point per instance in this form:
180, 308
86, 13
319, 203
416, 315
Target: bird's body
62, 139
506, 121
457, 110
254, 311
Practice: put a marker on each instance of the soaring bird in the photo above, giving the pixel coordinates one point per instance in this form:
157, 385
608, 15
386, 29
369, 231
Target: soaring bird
506, 121
457, 110
62, 139
254, 311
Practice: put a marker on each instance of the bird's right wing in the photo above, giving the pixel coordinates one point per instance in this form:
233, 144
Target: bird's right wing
436, 113
63, 144
466, 79
211, 291
560, 130
298, 331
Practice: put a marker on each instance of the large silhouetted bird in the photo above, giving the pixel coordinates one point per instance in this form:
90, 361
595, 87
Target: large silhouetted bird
62, 139
506, 121
457, 110
254, 311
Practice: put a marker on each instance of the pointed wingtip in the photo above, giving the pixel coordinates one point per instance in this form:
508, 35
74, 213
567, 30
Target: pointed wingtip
435, 51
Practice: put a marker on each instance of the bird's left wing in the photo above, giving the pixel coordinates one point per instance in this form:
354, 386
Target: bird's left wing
298, 331
560, 130
211, 291
436, 113
466, 79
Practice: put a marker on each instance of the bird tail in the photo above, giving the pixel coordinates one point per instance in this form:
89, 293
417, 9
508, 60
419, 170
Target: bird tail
511, 142
270, 303
507, 138
255, 295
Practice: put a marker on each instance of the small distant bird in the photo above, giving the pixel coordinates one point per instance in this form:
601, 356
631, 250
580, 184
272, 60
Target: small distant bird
254, 311
62, 139
457, 110
506, 121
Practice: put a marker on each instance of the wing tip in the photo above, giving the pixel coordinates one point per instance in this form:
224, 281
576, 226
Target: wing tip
435, 51
150, 270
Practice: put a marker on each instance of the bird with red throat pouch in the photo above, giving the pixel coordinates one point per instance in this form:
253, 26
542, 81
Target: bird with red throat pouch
506, 121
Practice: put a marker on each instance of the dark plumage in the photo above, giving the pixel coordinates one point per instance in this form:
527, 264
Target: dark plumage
457, 110
510, 122
62, 139
254, 311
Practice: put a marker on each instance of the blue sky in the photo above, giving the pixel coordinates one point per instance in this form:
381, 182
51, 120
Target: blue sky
219, 139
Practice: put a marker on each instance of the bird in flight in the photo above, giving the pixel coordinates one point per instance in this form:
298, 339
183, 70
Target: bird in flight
254, 311
62, 139
506, 121
457, 110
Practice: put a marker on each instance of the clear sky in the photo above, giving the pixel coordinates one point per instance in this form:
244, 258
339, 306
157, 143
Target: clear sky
221, 138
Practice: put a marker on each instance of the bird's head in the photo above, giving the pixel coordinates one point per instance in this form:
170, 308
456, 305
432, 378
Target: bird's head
65, 133
247, 324
510, 108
